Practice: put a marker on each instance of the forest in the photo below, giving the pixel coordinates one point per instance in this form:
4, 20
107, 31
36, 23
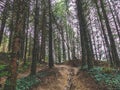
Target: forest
59, 44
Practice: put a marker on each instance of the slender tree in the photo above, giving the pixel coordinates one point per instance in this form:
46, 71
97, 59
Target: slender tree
112, 42
51, 61
85, 43
35, 50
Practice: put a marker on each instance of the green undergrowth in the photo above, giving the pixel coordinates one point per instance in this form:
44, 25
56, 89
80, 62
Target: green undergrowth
21, 69
3, 70
27, 83
106, 76
24, 67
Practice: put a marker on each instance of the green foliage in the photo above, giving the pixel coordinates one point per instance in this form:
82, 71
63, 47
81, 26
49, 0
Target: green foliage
107, 70
3, 67
27, 82
60, 8
106, 76
3, 70
24, 67
3, 74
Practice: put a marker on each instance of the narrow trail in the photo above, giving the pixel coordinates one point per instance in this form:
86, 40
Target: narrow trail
67, 79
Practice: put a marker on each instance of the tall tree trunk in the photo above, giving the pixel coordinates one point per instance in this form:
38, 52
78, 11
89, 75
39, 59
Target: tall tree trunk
104, 33
51, 61
11, 34
43, 38
84, 34
18, 11
26, 33
35, 50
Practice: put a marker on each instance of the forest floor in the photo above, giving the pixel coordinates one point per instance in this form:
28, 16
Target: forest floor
21, 75
68, 78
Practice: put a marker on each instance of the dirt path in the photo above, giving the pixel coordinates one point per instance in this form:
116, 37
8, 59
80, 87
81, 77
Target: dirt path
67, 79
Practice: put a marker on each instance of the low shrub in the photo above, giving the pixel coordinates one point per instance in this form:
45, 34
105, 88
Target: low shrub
107, 70
3, 70
28, 82
106, 76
